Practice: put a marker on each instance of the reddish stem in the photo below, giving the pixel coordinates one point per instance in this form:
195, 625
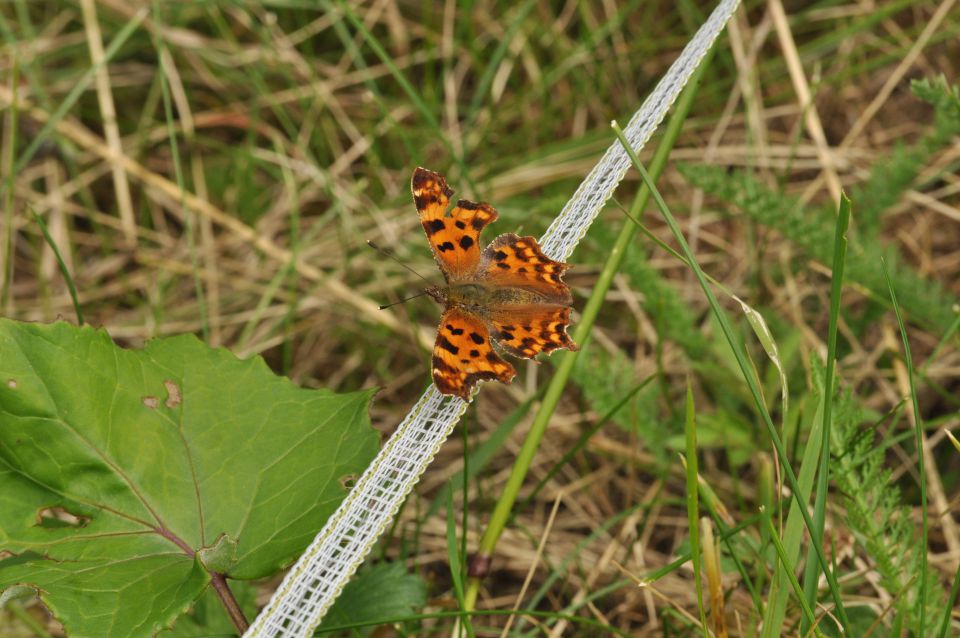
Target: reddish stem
229, 602
219, 583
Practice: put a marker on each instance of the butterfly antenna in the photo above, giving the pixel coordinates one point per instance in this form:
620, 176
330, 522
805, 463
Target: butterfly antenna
387, 253
419, 294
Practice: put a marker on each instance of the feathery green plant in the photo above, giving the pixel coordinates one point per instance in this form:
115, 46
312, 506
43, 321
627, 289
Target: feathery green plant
927, 301
605, 377
674, 319
894, 175
876, 515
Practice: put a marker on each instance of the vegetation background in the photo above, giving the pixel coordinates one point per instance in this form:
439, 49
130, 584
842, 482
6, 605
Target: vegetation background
222, 173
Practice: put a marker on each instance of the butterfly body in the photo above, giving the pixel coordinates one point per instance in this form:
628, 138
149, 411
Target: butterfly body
481, 298
510, 292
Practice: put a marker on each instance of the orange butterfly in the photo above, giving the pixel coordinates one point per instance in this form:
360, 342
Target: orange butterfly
510, 291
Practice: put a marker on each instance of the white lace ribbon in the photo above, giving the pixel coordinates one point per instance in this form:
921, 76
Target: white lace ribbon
315, 581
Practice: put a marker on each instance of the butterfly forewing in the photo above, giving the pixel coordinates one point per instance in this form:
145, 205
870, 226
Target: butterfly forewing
455, 238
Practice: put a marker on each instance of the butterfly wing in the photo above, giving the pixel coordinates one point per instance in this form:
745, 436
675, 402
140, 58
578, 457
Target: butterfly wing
462, 355
527, 330
455, 238
518, 262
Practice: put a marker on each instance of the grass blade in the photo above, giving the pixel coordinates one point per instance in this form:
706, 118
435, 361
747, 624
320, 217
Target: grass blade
6, 163
918, 429
810, 577
61, 264
808, 616
79, 89
948, 608
693, 502
456, 564
583, 440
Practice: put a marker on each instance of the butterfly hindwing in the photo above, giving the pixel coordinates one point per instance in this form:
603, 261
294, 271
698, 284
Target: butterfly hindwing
528, 330
454, 238
462, 355
514, 261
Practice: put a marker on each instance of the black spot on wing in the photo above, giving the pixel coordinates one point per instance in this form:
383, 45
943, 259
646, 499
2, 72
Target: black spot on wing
444, 343
459, 224
434, 226
466, 242
423, 201
454, 331
441, 365
477, 339
445, 246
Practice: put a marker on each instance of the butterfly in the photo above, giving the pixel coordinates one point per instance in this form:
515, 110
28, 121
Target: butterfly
510, 292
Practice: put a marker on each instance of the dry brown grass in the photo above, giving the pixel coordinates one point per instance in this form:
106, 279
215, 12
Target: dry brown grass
295, 145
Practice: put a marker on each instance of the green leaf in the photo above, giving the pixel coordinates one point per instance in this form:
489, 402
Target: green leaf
378, 594
208, 619
119, 468
221, 556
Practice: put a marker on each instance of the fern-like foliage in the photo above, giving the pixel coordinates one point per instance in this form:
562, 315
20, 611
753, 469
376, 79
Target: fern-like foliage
898, 172
672, 316
876, 516
605, 377
927, 302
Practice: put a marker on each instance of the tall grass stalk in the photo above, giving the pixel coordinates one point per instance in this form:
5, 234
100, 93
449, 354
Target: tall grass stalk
693, 503
811, 577
508, 497
7, 162
61, 264
189, 217
788, 569
921, 466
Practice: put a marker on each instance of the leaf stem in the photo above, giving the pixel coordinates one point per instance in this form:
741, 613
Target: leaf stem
230, 603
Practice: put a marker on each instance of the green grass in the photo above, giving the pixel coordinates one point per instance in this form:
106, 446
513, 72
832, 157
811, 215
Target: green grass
302, 123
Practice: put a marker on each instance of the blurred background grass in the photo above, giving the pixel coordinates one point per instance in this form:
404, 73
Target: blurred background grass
217, 168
